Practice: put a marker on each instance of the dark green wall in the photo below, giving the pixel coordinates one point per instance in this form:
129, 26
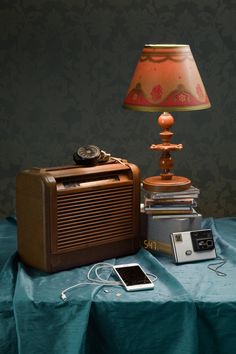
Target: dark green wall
65, 69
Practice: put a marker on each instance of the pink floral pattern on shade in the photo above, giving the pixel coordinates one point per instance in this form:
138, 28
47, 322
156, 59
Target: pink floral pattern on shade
156, 93
200, 92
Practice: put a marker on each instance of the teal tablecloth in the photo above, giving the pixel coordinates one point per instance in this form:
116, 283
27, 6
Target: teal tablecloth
190, 311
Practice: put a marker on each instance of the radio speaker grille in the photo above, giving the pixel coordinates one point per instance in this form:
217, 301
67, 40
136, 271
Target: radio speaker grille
86, 218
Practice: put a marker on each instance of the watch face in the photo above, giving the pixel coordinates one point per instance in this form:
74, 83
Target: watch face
89, 152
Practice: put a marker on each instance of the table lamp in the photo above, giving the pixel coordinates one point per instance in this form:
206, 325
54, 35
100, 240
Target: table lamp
166, 79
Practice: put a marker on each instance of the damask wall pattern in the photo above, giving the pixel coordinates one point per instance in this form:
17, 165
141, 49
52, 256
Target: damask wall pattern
65, 69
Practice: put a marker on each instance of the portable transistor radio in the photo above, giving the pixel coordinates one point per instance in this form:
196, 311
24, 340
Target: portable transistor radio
75, 215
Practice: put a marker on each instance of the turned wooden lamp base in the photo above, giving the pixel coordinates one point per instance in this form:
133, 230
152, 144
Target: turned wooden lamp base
157, 184
167, 181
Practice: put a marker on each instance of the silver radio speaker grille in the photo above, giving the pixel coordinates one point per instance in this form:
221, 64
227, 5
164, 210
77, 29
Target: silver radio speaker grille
94, 217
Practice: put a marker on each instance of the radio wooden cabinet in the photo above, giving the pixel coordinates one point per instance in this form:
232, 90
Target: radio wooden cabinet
71, 216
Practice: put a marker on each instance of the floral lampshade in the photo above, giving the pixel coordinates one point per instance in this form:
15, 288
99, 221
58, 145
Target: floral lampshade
166, 78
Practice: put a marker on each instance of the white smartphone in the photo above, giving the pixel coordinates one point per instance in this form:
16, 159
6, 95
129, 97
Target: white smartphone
133, 277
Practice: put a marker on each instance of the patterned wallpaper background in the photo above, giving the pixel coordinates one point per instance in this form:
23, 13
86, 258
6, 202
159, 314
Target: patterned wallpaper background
65, 69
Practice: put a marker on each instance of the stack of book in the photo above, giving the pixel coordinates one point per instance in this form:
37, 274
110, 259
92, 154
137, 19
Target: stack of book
175, 204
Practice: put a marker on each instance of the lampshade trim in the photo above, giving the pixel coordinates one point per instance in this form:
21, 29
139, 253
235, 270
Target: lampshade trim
165, 46
159, 57
166, 108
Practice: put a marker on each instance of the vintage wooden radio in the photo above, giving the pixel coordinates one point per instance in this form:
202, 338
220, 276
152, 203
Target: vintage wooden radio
71, 216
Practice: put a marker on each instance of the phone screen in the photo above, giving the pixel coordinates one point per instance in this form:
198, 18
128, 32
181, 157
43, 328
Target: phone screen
133, 275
